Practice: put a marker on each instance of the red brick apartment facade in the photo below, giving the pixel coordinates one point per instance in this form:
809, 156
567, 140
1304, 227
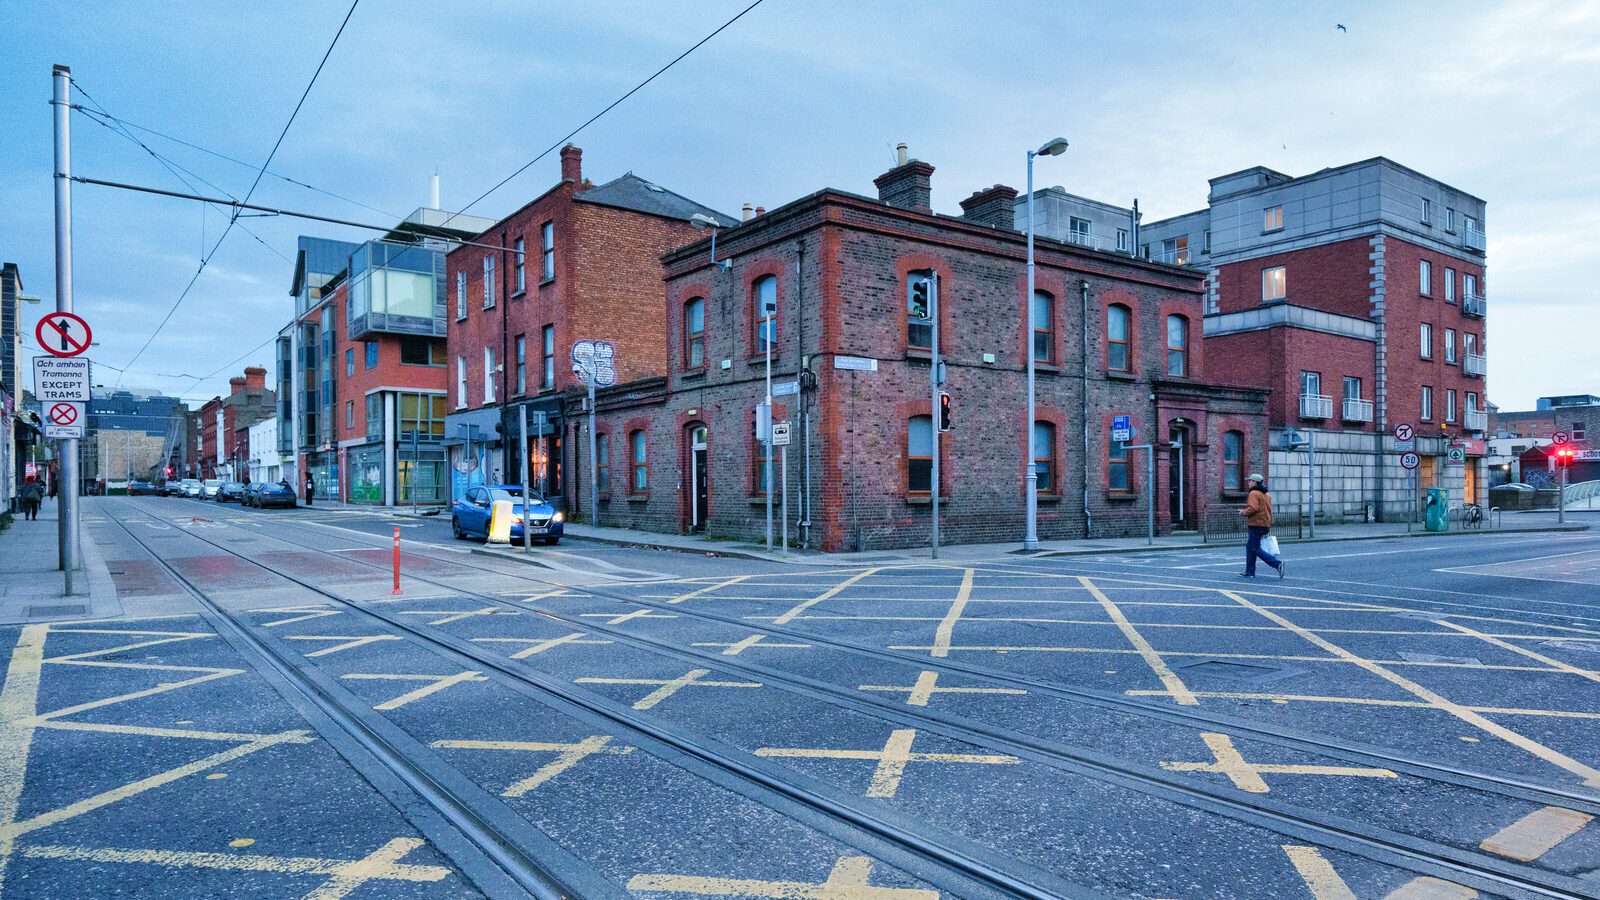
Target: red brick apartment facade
223, 425
679, 453
581, 262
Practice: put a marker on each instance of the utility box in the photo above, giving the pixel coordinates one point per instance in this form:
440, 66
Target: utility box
1435, 510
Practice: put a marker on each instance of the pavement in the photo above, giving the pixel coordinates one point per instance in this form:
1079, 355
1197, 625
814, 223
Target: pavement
1400, 717
32, 584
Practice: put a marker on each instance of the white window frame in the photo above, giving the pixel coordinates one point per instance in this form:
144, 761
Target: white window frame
488, 375
547, 251
521, 263
1425, 278
1427, 211
1449, 345
461, 382
1425, 340
1426, 405
1122, 239
1450, 404
1449, 285
1272, 219
1281, 282
488, 281
461, 295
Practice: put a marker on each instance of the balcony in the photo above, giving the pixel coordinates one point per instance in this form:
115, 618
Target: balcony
395, 289
1473, 239
1316, 406
1083, 240
1173, 256
1474, 364
1474, 305
1474, 420
1355, 409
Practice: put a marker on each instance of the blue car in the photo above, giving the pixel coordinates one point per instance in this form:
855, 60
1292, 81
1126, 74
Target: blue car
469, 516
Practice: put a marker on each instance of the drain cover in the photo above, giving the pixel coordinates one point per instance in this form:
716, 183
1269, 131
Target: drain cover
1238, 671
1572, 645
1434, 658
63, 609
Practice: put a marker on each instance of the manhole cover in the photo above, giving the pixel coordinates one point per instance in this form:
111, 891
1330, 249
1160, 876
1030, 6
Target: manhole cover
1238, 671
1435, 658
1573, 645
64, 609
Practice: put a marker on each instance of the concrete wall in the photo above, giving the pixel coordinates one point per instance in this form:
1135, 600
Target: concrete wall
1352, 472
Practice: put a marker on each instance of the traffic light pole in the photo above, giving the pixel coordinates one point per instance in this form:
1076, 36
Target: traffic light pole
934, 412
1030, 530
1561, 498
67, 524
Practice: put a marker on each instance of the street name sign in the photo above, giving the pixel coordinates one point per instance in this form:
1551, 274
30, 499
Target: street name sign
61, 379
855, 363
785, 388
63, 334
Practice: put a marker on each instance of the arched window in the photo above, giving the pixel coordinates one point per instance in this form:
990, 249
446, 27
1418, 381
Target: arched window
1119, 327
602, 462
641, 470
919, 299
1177, 345
765, 297
694, 332
1044, 456
1044, 327
919, 455
1233, 461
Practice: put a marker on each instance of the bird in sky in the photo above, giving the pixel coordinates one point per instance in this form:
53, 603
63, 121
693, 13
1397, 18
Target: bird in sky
1342, 28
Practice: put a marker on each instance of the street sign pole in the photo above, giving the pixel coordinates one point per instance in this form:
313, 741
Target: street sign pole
1311, 478
527, 489
783, 484
67, 522
933, 409
594, 471
1561, 498
1150, 486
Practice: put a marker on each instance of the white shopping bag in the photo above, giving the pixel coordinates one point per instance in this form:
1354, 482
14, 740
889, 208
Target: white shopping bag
1269, 544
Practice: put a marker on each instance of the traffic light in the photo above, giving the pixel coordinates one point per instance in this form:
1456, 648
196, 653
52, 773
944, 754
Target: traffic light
1564, 457
944, 411
917, 302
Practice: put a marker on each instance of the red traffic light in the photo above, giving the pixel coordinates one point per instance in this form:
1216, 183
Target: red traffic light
944, 411
1564, 457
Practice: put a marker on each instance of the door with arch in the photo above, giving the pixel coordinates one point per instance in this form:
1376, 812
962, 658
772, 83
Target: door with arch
699, 483
1180, 478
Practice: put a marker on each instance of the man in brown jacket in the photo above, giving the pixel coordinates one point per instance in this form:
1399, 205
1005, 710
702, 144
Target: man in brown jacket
1257, 514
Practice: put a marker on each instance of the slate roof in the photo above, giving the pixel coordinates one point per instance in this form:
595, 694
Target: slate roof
632, 192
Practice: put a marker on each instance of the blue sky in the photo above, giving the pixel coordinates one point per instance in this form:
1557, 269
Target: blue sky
1494, 98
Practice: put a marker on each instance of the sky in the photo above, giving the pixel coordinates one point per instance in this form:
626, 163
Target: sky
1496, 99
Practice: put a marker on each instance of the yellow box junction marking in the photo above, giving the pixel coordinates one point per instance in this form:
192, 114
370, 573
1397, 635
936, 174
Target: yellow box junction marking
536, 645
436, 683
947, 626
452, 615
849, 880
19, 701
708, 589
309, 612
345, 875
619, 618
1246, 776
670, 686
754, 640
1370, 701
892, 759
830, 593
927, 685
1590, 776
571, 755
1325, 883
344, 642
1180, 692
1536, 833
1524, 651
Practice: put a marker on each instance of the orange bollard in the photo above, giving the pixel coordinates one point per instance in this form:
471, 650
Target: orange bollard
396, 562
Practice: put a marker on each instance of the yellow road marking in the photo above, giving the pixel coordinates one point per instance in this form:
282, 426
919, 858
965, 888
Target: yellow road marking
1427, 887
1370, 701
892, 759
927, 685
436, 683
237, 862
670, 686
1180, 691
1352, 659
947, 626
1536, 833
347, 643
19, 700
1318, 874
138, 695
538, 646
708, 589
849, 880
1246, 776
310, 612
90, 654
830, 593
373, 867
1590, 776
1540, 657
571, 755
619, 618
753, 640
450, 615
107, 728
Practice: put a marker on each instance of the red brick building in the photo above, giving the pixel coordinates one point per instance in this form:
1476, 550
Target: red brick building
581, 261
222, 425
846, 275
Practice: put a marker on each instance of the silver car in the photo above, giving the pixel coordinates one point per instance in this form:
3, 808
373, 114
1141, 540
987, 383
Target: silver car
209, 488
191, 487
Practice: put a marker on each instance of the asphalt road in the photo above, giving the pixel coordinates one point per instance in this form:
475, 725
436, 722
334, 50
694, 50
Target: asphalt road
1402, 718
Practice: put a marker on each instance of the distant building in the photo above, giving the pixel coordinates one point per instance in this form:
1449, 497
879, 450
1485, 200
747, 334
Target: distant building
265, 462
1578, 415
224, 425
20, 440
130, 435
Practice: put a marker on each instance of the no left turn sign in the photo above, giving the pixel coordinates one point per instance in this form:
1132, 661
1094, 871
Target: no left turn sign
63, 334
1404, 432
1560, 437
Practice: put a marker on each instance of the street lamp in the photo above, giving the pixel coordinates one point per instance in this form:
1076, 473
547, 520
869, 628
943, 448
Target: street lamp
702, 221
1030, 537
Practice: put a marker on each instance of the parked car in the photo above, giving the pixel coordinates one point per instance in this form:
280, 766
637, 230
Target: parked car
192, 487
469, 516
142, 489
273, 494
250, 492
230, 491
209, 488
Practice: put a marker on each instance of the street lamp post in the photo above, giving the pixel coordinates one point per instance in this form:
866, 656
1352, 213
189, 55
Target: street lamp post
1030, 537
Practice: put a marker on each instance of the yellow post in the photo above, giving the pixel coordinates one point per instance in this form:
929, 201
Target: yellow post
500, 523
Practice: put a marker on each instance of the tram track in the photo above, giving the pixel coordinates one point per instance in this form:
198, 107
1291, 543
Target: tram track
1381, 845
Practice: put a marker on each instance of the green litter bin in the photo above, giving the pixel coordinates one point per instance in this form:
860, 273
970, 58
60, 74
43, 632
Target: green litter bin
1436, 510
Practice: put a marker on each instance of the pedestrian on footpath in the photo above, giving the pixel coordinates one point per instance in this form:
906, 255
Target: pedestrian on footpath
32, 493
1257, 514
311, 488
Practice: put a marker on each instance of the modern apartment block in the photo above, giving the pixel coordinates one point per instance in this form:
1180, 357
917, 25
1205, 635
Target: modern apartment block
361, 369
579, 262
1357, 295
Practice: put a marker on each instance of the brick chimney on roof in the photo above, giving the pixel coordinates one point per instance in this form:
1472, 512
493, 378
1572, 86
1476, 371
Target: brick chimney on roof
909, 185
572, 164
255, 377
235, 384
995, 207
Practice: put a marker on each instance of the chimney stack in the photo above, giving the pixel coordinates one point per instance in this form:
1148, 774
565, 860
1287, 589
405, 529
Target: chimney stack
572, 164
995, 207
235, 384
256, 376
749, 212
909, 185
433, 196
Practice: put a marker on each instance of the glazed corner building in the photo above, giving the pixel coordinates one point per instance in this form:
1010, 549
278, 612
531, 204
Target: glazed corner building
1116, 335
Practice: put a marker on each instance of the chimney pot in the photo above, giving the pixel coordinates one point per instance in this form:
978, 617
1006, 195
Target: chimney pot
900, 157
749, 212
761, 210
995, 206
907, 186
235, 384
255, 377
572, 164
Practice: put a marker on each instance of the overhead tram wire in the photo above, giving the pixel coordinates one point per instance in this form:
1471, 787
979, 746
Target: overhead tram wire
237, 209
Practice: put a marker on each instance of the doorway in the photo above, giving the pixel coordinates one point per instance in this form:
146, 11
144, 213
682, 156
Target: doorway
1180, 508
699, 486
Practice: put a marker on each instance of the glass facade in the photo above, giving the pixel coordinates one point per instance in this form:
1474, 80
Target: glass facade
365, 467
396, 288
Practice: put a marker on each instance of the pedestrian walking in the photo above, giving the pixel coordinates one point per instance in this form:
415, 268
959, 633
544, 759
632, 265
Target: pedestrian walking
311, 488
32, 493
1257, 514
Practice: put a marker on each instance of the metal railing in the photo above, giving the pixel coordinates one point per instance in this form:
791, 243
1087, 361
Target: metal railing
1083, 240
1583, 491
1177, 256
1316, 406
1474, 364
1356, 409
1475, 420
1474, 305
1473, 239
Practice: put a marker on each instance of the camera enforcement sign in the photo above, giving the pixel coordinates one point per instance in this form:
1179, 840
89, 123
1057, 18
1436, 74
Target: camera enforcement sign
61, 379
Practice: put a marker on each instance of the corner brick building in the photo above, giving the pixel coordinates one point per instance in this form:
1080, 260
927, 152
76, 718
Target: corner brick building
581, 261
851, 369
